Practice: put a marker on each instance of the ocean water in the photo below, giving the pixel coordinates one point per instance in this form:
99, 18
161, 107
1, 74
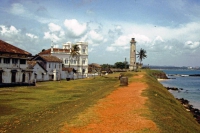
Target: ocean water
189, 84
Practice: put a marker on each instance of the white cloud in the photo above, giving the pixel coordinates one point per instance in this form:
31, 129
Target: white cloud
96, 37
122, 41
51, 36
31, 36
55, 33
191, 45
75, 28
158, 40
110, 48
9, 31
53, 27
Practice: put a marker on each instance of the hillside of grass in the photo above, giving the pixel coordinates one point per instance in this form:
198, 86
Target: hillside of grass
47, 106
169, 115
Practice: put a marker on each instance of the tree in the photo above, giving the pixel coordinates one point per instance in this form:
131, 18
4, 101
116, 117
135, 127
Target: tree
141, 55
120, 65
74, 53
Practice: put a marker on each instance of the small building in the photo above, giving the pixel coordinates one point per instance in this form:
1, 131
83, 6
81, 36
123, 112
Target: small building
39, 71
94, 67
14, 69
67, 73
51, 64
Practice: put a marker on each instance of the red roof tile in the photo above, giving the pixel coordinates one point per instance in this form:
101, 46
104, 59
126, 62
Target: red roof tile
8, 48
50, 58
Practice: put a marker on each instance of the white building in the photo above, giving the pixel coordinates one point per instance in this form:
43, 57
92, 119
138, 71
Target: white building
80, 65
13, 65
52, 67
39, 71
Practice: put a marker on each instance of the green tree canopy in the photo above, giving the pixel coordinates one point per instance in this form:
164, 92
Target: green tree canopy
120, 65
141, 55
74, 53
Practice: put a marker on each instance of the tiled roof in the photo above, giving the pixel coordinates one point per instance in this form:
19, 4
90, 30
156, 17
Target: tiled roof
8, 48
48, 51
31, 64
94, 65
50, 58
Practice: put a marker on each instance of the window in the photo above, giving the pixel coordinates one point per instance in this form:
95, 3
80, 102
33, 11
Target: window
74, 61
71, 61
14, 61
55, 65
22, 61
42, 76
83, 61
83, 50
66, 61
49, 65
83, 71
6, 61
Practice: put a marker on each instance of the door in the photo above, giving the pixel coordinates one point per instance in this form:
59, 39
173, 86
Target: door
0, 77
13, 77
23, 77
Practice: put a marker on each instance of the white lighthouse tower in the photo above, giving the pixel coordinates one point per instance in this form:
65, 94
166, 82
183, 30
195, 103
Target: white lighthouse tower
132, 65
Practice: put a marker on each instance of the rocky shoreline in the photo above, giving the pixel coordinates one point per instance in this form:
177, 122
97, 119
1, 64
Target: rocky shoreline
194, 111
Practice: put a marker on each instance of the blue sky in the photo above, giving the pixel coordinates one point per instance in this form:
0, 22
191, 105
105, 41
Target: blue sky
169, 30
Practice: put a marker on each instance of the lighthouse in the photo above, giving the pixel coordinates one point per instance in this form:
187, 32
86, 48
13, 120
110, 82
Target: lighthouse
132, 65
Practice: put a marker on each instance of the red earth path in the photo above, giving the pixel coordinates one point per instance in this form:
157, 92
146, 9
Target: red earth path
119, 112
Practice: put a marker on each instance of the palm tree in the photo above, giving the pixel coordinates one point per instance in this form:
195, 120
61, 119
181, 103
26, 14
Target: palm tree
141, 55
75, 54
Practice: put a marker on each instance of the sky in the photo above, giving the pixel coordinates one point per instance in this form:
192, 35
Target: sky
169, 30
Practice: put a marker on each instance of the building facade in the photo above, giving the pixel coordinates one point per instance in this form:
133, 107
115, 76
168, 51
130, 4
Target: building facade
52, 66
79, 64
39, 71
13, 65
132, 65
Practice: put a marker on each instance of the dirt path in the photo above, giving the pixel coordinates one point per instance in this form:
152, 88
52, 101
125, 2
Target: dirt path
119, 112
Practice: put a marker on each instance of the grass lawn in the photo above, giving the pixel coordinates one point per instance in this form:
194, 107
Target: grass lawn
45, 107
169, 115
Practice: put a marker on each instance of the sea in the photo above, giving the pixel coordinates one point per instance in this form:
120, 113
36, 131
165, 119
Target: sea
189, 86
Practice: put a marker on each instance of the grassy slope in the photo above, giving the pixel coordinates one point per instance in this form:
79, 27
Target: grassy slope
166, 111
47, 106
